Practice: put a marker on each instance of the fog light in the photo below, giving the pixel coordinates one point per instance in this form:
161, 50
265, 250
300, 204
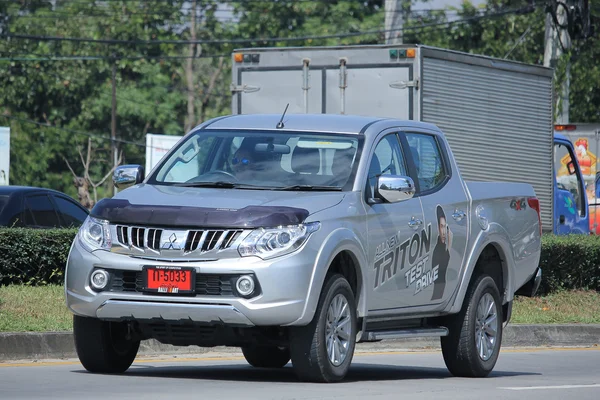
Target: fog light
245, 285
99, 279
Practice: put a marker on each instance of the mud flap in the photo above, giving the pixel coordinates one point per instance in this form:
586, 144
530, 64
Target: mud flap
530, 288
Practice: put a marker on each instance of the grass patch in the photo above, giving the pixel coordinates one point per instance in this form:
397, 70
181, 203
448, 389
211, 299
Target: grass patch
34, 309
43, 309
564, 307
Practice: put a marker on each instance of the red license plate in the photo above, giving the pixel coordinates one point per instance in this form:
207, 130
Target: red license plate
175, 280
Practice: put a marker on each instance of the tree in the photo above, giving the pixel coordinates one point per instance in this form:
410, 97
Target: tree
75, 95
494, 31
82, 183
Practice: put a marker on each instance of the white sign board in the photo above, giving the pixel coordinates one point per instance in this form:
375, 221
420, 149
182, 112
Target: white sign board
156, 147
4, 155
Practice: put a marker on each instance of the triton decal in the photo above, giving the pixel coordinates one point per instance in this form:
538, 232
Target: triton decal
390, 255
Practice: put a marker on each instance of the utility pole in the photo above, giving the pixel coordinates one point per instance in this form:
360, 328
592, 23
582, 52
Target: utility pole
396, 14
113, 128
189, 72
557, 42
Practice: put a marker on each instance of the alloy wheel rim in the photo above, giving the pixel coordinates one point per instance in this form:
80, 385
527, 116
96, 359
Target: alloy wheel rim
338, 330
486, 327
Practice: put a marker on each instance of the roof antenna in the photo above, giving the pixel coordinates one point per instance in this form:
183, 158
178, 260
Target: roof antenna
280, 123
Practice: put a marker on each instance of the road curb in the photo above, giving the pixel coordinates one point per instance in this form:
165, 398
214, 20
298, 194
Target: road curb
60, 345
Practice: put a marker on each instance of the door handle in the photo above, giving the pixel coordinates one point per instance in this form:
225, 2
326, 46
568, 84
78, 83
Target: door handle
458, 215
415, 223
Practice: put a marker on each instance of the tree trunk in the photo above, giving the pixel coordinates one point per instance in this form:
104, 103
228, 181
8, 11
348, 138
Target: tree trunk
83, 192
189, 73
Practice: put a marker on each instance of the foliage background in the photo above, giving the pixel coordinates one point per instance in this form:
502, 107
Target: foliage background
71, 98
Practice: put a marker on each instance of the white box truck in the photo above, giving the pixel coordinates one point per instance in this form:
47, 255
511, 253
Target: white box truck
497, 114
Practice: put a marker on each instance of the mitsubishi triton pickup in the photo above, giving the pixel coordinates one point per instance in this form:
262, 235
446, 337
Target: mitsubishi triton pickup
296, 237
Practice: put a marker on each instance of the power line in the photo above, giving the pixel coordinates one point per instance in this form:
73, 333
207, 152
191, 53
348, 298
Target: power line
96, 58
526, 9
110, 13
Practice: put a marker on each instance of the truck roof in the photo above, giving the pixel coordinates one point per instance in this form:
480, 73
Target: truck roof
332, 123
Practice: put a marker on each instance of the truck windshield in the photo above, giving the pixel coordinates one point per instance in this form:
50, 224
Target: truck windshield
256, 159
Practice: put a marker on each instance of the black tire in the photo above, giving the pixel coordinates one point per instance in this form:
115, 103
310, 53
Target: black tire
308, 343
266, 356
102, 346
459, 348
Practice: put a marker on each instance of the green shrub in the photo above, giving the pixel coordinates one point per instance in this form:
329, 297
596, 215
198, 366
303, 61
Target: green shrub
34, 256
570, 262
38, 257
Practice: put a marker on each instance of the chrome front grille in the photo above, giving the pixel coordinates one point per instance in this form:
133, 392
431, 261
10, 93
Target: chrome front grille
140, 238
209, 240
174, 242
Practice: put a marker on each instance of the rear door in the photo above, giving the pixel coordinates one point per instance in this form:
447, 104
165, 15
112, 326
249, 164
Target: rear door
445, 209
269, 90
359, 82
370, 90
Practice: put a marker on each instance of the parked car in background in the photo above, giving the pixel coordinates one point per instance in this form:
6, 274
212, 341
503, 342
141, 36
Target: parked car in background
33, 207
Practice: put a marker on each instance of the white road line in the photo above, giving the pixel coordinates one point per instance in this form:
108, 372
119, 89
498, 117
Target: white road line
551, 387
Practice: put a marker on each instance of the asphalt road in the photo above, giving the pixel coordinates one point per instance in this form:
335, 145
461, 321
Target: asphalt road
519, 374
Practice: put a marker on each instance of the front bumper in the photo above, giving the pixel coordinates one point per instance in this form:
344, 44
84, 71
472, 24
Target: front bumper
285, 283
145, 310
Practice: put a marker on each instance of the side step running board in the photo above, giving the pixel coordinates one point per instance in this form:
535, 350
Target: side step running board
405, 333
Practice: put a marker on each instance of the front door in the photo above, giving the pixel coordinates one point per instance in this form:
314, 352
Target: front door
390, 227
569, 202
445, 207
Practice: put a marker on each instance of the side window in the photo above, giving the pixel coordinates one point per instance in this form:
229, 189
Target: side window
71, 213
42, 210
567, 178
387, 160
428, 160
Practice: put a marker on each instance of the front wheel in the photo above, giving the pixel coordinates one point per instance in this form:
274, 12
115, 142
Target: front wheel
472, 347
322, 351
266, 356
103, 347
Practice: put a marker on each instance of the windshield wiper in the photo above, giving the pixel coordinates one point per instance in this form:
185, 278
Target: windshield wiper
223, 184
310, 187
218, 184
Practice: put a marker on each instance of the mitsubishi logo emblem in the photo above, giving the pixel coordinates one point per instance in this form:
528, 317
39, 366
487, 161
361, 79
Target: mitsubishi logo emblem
172, 243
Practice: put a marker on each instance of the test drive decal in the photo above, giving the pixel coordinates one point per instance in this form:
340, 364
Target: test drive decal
413, 255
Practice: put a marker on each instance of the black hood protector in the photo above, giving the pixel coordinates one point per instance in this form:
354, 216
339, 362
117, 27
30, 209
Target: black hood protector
120, 211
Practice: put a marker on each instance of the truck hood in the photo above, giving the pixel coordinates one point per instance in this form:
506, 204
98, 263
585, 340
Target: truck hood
208, 207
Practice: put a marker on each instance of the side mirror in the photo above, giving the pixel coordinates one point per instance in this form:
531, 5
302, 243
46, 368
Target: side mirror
393, 188
128, 175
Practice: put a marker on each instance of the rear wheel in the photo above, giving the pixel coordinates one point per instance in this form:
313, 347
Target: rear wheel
266, 356
322, 351
472, 347
103, 347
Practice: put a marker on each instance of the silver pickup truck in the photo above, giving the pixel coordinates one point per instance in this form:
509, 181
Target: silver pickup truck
295, 237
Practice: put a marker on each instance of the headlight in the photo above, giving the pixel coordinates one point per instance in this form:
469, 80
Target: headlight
273, 242
94, 234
